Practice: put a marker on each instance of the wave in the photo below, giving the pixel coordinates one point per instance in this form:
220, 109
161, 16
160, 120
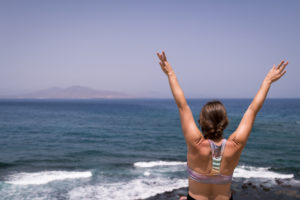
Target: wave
45, 177
152, 181
258, 172
242, 171
158, 163
143, 188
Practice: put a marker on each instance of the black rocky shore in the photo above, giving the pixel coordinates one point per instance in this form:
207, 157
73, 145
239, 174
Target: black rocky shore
246, 190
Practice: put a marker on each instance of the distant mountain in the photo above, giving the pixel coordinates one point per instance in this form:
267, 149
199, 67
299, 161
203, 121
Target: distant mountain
73, 92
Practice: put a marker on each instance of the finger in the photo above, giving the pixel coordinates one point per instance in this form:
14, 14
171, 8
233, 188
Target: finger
158, 55
164, 56
161, 57
161, 64
283, 66
282, 73
279, 77
280, 64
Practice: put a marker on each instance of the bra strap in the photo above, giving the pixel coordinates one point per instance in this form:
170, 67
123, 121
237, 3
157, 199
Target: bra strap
216, 160
223, 146
213, 146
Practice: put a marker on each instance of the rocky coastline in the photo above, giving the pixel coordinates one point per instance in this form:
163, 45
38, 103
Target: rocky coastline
247, 190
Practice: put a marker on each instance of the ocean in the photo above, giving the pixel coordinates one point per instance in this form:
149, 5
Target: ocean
129, 148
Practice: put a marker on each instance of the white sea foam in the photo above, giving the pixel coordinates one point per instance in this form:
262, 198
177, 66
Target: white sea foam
154, 182
135, 189
258, 172
151, 178
146, 173
44, 177
240, 172
149, 181
158, 163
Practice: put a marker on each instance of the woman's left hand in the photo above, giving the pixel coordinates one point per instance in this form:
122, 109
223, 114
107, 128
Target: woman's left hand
165, 66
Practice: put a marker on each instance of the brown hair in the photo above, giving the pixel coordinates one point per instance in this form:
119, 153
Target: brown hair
213, 120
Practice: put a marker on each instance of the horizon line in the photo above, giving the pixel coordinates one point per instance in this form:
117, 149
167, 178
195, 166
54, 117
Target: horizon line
146, 98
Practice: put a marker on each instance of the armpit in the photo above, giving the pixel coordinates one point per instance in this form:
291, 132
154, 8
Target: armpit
236, 144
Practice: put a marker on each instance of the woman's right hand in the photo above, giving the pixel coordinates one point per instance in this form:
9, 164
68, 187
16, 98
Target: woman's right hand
276, 72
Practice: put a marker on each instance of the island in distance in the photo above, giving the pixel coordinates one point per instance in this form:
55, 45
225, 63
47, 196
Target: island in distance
73, 92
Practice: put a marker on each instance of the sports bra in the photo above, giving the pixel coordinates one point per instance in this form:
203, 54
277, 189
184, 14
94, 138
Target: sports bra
214, 177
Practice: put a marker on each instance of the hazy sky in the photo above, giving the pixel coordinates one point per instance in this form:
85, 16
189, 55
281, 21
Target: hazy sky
217, 48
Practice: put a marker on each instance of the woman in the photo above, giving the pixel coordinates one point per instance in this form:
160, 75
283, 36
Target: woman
211, 159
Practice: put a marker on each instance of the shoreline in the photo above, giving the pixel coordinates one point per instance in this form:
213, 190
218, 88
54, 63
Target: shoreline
245, 190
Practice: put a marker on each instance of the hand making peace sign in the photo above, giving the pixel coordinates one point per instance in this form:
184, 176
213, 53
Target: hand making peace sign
165, 66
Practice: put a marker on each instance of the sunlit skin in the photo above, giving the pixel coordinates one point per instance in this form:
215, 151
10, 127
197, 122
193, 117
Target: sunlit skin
198, 148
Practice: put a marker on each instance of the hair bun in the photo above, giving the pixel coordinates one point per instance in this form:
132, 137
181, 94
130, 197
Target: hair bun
213, 120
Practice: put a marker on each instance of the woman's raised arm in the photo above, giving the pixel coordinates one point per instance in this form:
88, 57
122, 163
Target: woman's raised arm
190, 130
240, 136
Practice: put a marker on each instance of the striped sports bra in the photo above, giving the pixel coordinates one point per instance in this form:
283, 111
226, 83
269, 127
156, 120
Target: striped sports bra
214, 177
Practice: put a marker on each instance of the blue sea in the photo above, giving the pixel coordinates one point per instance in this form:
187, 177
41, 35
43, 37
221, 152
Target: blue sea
129, 148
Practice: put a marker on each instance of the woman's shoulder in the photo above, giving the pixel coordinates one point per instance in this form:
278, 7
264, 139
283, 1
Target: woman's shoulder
201, 144
231, 147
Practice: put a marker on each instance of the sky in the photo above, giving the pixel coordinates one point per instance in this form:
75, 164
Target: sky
218, 49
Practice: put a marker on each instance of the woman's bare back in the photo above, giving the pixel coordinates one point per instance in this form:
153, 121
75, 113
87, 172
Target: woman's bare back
199, 158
